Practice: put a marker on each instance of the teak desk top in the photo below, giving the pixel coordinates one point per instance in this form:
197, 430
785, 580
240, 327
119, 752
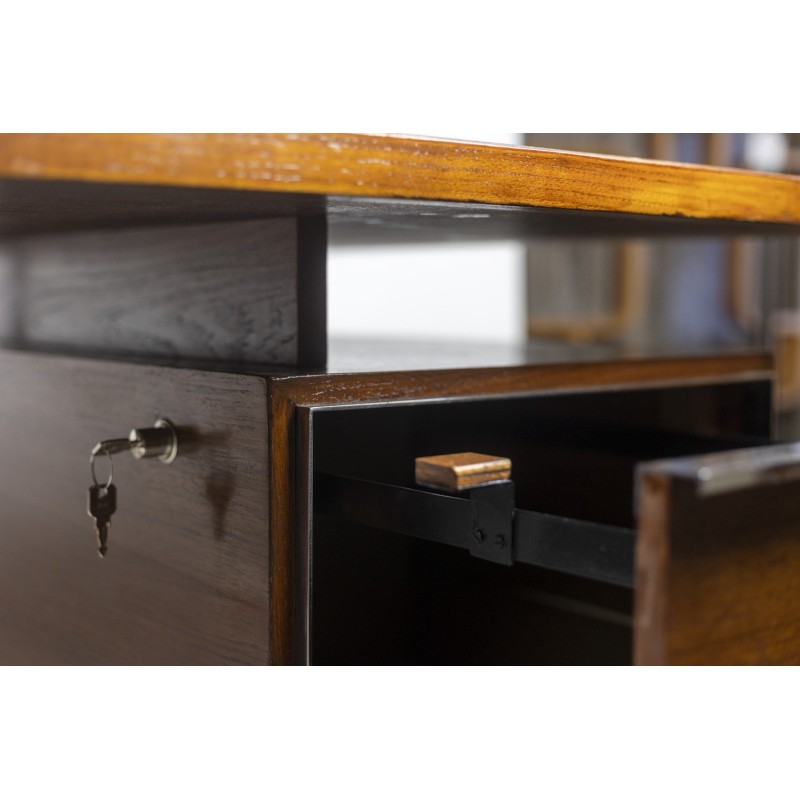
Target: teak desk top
399, 184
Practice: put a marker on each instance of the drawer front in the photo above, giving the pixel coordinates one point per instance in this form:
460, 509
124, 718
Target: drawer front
185, 580
718, 559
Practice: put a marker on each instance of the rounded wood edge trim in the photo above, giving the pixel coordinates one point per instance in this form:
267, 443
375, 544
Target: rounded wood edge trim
405, 167
379, 387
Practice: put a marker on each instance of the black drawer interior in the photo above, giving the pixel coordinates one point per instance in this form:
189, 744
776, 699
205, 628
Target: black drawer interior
381, 597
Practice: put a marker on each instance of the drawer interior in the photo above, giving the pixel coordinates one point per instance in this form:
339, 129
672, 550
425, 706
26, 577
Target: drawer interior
381, 597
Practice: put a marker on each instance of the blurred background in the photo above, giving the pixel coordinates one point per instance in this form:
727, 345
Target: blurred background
612, 297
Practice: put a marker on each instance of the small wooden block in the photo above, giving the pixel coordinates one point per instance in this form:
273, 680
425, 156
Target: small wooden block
457, 471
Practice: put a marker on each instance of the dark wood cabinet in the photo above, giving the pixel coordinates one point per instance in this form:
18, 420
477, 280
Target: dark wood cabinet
186, 576
229, 554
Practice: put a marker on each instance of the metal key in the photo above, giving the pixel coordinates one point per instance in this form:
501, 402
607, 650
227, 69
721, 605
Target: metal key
113, 446
160, 441
102, 503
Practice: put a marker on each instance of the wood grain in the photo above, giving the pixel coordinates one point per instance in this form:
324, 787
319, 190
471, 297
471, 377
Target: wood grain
317, 389
718, 578
457, 471
186, 577
284, 494
241, 291
403, 167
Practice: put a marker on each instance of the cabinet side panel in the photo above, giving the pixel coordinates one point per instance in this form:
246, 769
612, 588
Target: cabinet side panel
221, 291
185, 580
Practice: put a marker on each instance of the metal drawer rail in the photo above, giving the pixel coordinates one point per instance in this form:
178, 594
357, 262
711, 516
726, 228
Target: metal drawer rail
589, 550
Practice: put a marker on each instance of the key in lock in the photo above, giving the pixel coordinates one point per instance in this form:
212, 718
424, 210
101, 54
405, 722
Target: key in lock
160, 441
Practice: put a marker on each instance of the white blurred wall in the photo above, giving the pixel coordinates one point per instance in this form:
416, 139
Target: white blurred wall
459, 292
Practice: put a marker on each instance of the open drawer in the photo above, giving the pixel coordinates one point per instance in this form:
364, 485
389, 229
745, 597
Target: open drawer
668, 525
718, 559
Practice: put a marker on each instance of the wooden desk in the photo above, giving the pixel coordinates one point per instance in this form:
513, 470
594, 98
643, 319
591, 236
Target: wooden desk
183, 277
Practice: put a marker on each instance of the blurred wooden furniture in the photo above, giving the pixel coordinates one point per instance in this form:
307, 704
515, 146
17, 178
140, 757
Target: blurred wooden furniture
183, 276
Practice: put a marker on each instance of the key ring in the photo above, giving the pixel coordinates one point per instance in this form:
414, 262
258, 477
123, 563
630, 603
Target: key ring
110, 468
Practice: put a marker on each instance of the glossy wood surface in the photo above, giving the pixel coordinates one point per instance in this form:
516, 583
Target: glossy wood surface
186, 577
324, 387
395, 166
238, 291
718, 577
374, 187
363, 355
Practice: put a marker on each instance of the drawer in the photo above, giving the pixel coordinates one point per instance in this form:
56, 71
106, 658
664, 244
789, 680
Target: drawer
697, 507
185, 580
718, 559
